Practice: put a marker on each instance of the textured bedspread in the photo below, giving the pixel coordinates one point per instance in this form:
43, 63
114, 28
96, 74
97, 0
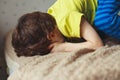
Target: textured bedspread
103, 64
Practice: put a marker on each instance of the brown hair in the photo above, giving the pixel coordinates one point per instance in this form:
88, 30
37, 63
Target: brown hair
30, 36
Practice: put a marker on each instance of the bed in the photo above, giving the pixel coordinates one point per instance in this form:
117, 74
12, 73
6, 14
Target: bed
102, 64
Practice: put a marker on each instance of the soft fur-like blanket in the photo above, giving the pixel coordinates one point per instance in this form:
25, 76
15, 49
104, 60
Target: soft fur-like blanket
102, 64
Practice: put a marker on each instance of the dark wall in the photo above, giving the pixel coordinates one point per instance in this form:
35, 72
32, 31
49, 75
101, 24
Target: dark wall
3, 68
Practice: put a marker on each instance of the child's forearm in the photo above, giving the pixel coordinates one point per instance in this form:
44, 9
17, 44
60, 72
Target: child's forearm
83, 45
61, 47
78, 46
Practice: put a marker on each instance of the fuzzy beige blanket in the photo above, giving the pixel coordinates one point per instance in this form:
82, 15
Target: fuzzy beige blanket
102, 64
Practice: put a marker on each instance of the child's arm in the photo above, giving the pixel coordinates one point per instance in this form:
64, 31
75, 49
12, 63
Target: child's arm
93, 40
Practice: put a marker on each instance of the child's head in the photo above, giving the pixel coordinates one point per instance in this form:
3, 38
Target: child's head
30, 36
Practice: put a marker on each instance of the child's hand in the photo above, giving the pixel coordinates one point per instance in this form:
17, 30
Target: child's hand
64, 47
58, 47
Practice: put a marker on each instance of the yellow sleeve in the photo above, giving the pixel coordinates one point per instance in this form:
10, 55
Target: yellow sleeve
68, 17
72, 24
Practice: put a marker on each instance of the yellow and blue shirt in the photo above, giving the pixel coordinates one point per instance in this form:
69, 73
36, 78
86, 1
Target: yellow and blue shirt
68, 15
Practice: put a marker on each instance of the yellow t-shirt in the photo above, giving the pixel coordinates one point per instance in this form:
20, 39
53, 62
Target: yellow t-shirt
68, 15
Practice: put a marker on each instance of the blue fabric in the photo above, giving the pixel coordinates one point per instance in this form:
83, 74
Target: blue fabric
107, 19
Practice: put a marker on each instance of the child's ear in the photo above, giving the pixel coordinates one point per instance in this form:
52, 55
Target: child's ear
51, 36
